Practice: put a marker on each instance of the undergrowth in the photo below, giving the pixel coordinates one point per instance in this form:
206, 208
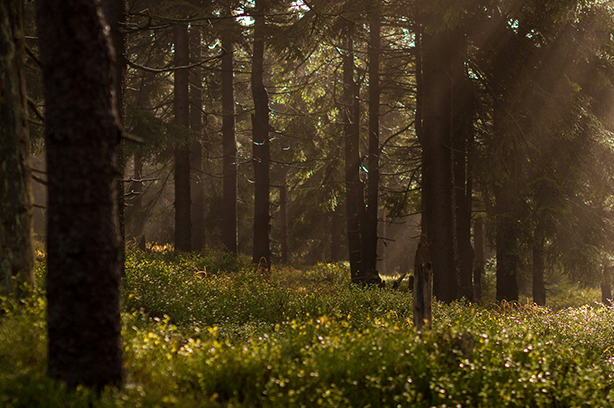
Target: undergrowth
204, 330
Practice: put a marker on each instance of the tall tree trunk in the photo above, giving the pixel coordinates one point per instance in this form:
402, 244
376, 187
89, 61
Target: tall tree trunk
438, 163
480, 258
368, 271
82, 136
539, 286
463, 114
505, 205
261, 153
229, 220
382, 232
353, 200
283, 216
197, 186
115, 12
183, 205
16, 248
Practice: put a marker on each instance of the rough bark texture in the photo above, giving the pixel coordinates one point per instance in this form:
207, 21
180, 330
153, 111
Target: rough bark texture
83, 243
183, 204
438, 163
423, 285
16, 249
197, 187
229, 221
261, 153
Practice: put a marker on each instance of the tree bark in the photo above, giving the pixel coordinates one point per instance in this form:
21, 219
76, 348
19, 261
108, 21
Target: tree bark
183, 205
480, 258
16, 223
438, 163
115, 12
369, 273
261, 153
197, 186
229, 228
423, 285
82, 136
353, 199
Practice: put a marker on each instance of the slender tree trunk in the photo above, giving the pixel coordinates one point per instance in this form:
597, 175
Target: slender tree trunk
16, 248
539, 286
369, 273
197, 186
336, 234
606, 284
83, 243
382, 232
438, 164
350, 108
480, 258
183, 205
229, 228
261, 153
283, 217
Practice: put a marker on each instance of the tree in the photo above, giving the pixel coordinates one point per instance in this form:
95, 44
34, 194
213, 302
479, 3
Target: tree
82, 136
16, 248
261, 142
183, 203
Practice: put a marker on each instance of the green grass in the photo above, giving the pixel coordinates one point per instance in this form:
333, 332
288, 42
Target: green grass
203, 330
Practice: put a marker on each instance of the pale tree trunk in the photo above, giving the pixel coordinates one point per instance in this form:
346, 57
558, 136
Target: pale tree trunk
606, 283
16, 248
183, 205
539, 285
368, 272
197, 186
229, 216
82, 136
261, 152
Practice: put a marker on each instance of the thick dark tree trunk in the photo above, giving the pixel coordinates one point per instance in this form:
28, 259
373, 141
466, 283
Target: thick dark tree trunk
606, 284
368, 270
83, 243
539, 286
16, 248
463, 114
480, 258
261, 153
353, 186
197, 186
438, 163
505, 205
183, 204
229, 226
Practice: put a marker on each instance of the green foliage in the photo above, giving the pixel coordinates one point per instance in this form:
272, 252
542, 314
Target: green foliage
307, 337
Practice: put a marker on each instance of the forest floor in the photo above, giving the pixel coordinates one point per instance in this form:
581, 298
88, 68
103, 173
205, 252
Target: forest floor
204, 330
